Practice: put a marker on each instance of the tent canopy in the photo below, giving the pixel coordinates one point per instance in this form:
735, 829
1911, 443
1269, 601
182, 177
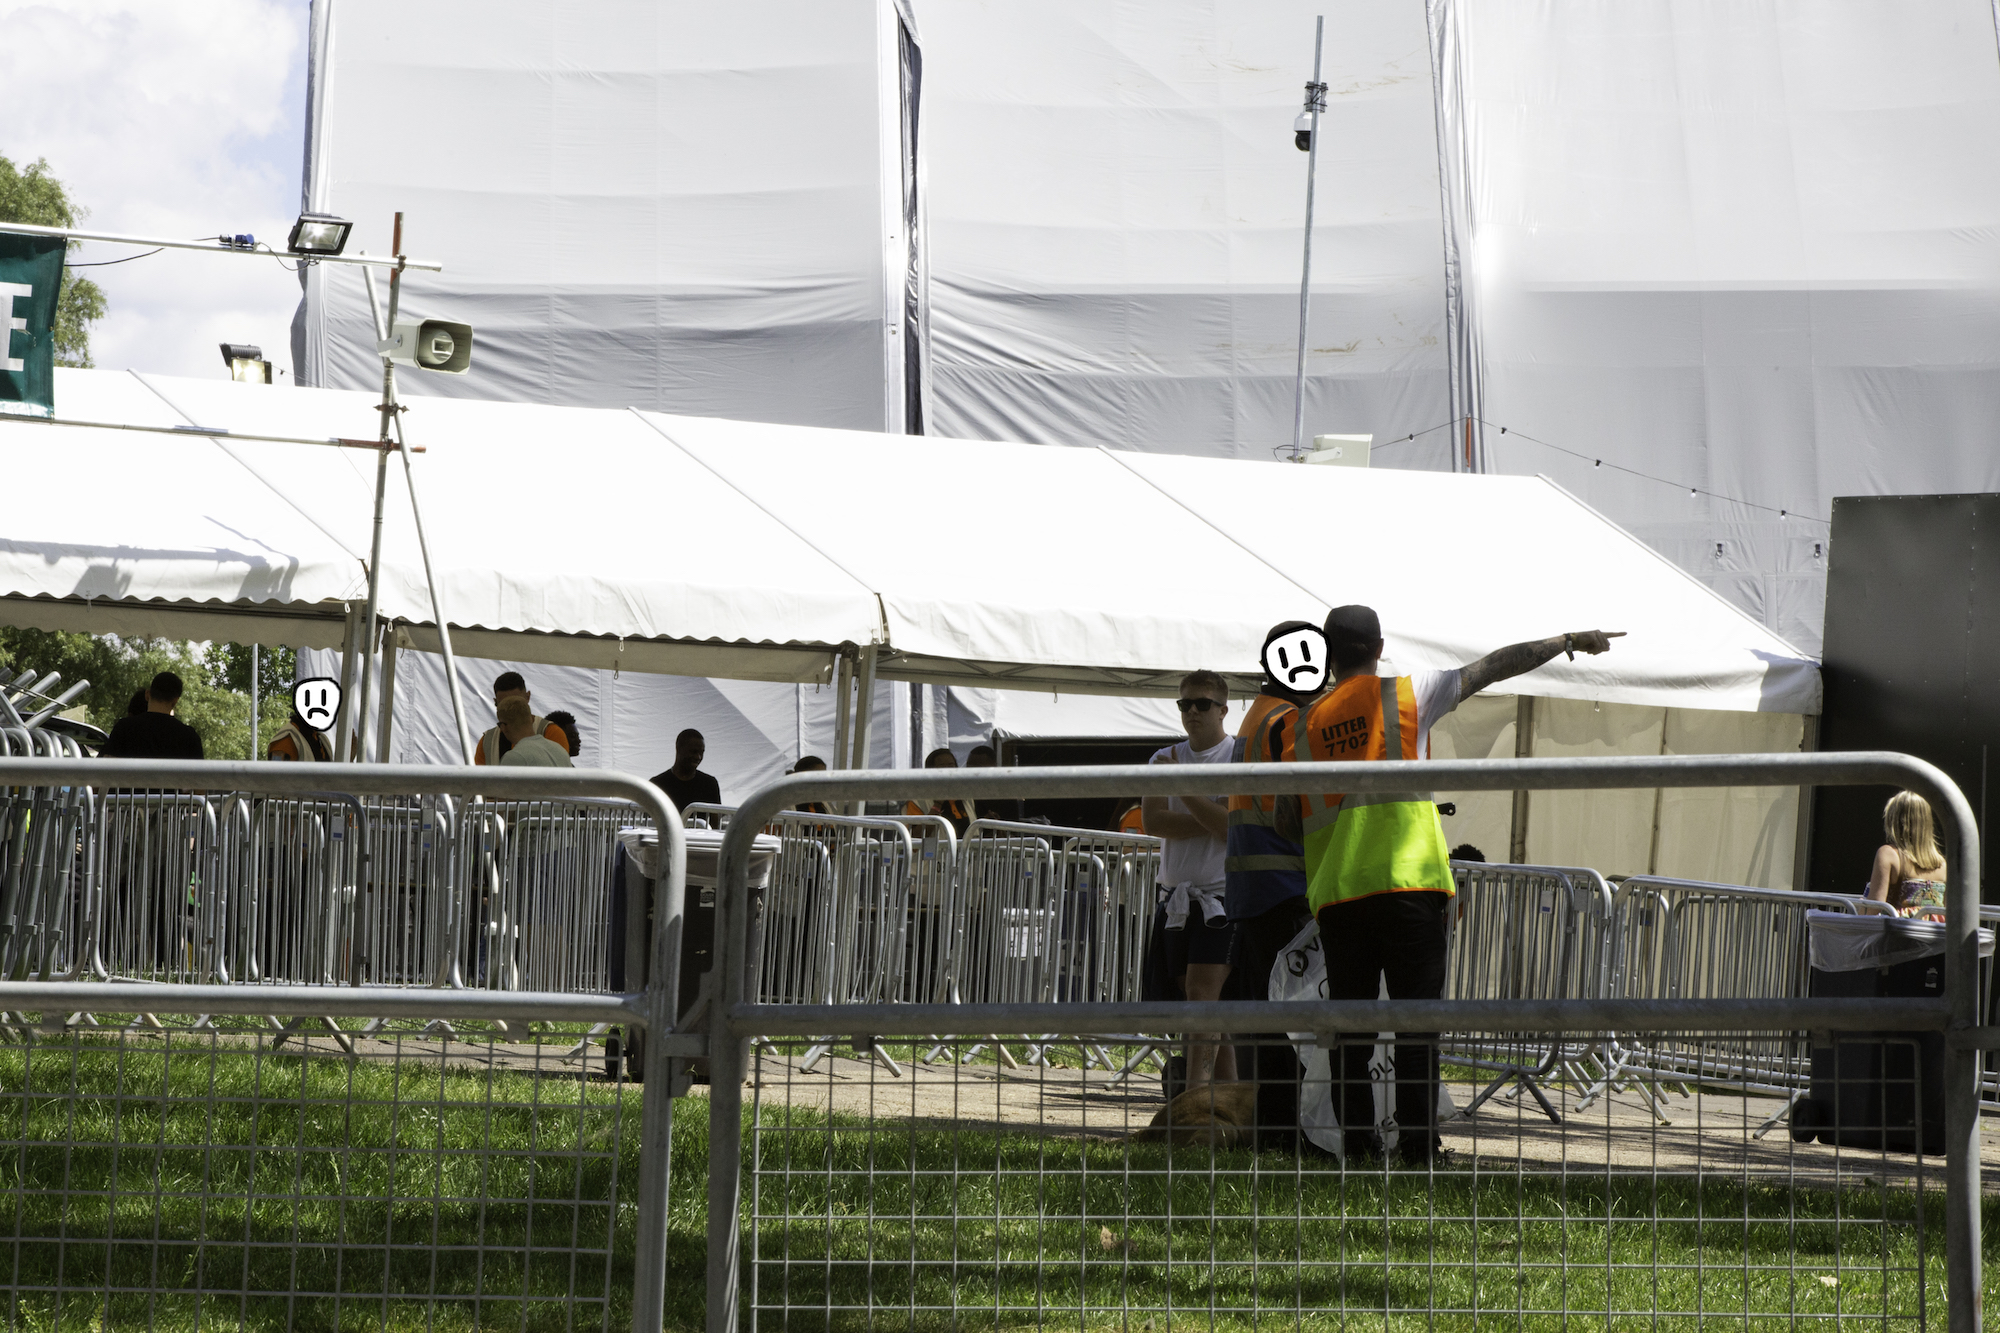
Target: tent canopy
695, 546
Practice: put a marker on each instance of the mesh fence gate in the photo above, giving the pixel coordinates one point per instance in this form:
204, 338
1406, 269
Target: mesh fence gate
285, 1059
956, 1194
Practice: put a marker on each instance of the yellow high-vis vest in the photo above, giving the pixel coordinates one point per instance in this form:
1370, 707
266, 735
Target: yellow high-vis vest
1360, 845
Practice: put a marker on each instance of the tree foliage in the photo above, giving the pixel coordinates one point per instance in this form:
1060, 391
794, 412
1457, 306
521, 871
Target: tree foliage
36, 197
216, 701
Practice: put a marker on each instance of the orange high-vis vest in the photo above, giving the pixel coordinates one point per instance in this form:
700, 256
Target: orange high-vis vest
1362, 844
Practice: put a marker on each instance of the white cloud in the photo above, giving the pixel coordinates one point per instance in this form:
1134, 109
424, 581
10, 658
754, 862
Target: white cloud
174, 118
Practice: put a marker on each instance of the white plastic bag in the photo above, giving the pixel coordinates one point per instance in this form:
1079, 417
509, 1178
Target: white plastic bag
1300, 974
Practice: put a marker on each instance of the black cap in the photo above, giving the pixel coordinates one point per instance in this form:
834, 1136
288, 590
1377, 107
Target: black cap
1357, 625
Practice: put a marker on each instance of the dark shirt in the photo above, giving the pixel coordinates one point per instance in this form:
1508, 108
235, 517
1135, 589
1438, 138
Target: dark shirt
701, 789
152, 736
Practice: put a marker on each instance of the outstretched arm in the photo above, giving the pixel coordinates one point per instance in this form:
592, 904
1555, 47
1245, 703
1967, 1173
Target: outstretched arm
1516, 658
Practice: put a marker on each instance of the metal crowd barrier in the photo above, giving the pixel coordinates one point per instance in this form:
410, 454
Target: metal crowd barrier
877, 1258
318, 889
224, 913
1052, 916
1692, 940
1526, 933
898, 909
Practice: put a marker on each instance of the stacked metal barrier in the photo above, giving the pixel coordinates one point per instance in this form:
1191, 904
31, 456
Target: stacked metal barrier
42, 866
837, 914
1053, 914
1526, 933
1688, 940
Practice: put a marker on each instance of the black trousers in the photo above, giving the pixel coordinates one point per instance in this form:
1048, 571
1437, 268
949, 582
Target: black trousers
1400, 936
1267, 1058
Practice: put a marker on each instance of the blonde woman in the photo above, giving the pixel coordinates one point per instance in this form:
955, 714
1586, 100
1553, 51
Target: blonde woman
1909, 867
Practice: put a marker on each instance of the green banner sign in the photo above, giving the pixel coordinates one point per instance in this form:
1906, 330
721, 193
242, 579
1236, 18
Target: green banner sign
31, 269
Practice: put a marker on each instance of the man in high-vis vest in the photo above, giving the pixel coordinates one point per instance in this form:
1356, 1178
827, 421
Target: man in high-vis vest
494, 743
1265, 875
1378, 876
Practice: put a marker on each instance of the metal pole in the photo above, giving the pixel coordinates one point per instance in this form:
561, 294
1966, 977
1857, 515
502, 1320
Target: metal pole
343, 725
864, 715
1315, 102
437, 607
843, 681
255, 753
210, 247
388, 409
388, 689
1963, 1279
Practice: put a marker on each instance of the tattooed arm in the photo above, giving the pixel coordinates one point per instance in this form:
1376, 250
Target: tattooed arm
1516, 658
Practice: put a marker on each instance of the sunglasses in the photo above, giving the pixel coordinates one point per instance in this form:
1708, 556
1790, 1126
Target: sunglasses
1197, 705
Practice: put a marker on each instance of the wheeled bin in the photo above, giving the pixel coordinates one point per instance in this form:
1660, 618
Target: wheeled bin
1871, 1089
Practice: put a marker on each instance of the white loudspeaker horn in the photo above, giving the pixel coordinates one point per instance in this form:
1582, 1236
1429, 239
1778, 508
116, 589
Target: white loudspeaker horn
430, 344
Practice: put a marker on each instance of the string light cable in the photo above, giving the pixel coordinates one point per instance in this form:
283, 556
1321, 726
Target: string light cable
1596, 462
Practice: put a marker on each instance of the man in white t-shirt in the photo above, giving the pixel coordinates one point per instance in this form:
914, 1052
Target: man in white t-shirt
527, 747
1192, 870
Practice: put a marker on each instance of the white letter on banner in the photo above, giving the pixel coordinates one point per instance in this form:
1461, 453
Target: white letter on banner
8, 292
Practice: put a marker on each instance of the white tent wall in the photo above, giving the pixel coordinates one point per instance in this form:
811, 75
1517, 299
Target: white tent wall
1115, 212
643, 203
1752, 248
1737, 835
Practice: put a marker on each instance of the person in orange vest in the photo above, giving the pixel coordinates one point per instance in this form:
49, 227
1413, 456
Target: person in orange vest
494, 743
299, 742
1265, 876
961, 813
1378, 875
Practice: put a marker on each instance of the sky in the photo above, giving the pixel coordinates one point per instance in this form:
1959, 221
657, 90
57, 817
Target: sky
176, 118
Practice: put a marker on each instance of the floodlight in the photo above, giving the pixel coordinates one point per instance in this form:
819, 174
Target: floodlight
319, 234
246, 363
430, 344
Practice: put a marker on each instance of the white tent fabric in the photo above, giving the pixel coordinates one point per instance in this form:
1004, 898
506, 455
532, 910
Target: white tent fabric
649, 202
1747, 249
751, 550
1115, 213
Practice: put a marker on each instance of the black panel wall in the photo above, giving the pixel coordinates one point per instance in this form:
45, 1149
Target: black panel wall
1912, 660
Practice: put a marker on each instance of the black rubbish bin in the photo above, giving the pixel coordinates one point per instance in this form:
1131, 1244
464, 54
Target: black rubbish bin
631, 886
1876, 1090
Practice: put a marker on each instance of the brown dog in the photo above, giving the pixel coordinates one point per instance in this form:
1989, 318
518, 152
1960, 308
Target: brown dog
1219, 1115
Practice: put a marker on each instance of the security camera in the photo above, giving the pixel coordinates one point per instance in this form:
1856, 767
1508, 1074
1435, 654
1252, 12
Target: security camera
430, 344
1302, 132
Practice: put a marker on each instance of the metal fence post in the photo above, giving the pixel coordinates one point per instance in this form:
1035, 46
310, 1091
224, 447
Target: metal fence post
1961, 1072
656, 1125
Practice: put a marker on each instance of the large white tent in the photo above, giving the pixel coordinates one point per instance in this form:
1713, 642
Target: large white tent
749, 549
757, 551
1743, 256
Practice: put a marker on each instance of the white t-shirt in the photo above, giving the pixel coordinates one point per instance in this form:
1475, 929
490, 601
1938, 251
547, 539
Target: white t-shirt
1195, 862
1437, 695
537, 752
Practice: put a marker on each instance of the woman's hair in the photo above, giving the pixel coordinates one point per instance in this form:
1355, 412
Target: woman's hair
137, 706
942, 757
1910, 829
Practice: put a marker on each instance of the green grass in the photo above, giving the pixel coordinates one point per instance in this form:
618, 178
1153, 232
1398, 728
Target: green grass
369, 1186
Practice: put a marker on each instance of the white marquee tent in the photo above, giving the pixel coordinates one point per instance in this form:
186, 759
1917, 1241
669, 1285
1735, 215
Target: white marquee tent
756, 551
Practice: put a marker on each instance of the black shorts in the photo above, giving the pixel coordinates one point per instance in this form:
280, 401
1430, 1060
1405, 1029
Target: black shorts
1198, 943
